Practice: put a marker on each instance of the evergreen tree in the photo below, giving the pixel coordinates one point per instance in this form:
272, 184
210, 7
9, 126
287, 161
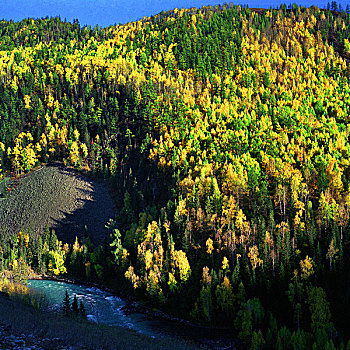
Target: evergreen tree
66, 305
75, 307
82, 311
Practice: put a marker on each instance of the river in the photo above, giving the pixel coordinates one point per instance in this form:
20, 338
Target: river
106, 308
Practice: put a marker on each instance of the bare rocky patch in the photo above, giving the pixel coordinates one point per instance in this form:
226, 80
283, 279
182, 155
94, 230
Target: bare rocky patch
61, 198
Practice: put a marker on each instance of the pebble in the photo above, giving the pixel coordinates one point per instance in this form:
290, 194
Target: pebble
10, 341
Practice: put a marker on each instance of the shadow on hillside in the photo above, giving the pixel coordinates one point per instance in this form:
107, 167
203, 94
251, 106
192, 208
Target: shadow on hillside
60, 198
89, 219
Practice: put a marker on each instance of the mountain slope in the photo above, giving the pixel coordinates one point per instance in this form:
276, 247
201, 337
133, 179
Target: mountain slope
225, 132
59, 198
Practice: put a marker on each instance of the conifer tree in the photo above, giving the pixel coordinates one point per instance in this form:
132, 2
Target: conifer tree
75, 307
66, 305
82, 311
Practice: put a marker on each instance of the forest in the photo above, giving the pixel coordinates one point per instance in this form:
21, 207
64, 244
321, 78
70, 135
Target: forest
224, 132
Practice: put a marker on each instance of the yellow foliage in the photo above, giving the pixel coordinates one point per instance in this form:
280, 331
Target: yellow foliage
27, 102
76, 135
84, 150
43, 140
206, 278
306, 267
76, 246
14, 289
225, 263
125, 256
347, 46
148, 260
240, 219
172, 282
254, 257
74, 153
183, 265
181, 208
132, 277
26, 240
210, 247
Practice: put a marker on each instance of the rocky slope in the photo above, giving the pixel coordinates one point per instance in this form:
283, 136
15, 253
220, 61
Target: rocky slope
57, 197
11, 341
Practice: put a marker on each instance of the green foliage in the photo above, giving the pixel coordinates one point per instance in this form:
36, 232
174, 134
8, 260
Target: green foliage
225, 296
224, 131
75, 309
116, 243
319, 308
249, 317
21, 271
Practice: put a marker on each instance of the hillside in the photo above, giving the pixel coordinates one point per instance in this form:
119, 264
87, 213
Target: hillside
58, 198
224, 131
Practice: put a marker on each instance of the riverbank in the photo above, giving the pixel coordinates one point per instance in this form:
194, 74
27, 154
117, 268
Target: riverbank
23, 326
208, 337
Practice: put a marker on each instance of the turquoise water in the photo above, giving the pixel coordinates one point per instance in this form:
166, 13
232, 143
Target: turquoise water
106, 308
101, 307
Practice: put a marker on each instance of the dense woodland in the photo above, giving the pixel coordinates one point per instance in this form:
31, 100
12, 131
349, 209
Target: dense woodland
224, 131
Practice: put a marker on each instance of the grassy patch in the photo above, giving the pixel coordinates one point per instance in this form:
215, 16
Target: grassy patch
57, 197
